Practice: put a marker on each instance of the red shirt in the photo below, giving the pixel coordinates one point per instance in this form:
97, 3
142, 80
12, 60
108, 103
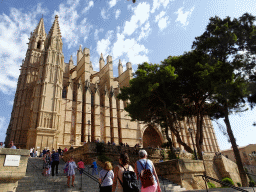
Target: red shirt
80, 164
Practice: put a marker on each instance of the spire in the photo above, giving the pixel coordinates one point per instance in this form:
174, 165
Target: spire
55, 35
55, 29
80, 48
71, 58
120, 68
40, 30
101, 55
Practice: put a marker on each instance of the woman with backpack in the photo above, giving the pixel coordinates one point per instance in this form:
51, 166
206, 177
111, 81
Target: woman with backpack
106, 178
146, 173
124, 176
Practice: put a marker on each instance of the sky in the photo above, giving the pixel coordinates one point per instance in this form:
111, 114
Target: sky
148, 30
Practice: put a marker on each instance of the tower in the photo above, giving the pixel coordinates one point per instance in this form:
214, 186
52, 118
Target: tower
29, 77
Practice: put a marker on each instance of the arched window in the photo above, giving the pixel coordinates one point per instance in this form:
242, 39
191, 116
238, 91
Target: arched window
64, 92
38, 45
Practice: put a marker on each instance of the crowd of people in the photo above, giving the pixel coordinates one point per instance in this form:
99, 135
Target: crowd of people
125, 177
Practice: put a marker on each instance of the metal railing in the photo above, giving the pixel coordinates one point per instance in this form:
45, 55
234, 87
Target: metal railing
205, 177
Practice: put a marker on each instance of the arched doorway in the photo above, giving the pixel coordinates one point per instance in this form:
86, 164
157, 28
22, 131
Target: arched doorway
151, 138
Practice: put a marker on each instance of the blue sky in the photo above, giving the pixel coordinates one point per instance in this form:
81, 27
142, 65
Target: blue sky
149, 30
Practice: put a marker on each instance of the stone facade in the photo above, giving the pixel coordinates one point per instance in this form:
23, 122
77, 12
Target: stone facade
60, 104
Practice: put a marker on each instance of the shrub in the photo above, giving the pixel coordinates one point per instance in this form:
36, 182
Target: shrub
239, 184
228, 181
211, 185
171, 155
251, 183
162, 152
103, 158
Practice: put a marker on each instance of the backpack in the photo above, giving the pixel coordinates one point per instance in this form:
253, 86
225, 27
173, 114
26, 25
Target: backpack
130, 183
146, 176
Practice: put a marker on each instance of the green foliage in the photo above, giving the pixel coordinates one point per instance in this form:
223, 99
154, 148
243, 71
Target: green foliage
100, 148
251, 183
103, 158
211, 185
162, 153
172, 155
228, 181
239, 184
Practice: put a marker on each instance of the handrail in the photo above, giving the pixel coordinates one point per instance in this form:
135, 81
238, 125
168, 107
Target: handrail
91, 176
221, 182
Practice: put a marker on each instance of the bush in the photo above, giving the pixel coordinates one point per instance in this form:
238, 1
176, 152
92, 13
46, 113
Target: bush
103, 158
239, 184
228, 181
211, 185
162, 152
251, 183
172, 155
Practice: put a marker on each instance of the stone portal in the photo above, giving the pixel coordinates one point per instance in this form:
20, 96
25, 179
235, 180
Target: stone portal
151, 138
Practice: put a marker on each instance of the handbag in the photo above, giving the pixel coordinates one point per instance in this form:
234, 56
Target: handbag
103, 179
146, 176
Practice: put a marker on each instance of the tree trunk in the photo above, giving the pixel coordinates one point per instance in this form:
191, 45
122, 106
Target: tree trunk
235, 148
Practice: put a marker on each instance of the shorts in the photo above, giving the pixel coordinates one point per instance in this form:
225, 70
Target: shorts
81, 171
151, 188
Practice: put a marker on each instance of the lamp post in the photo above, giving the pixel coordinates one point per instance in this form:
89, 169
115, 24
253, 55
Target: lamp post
89, 123
190, 131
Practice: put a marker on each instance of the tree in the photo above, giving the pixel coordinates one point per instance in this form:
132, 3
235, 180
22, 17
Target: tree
224, 40
178, 88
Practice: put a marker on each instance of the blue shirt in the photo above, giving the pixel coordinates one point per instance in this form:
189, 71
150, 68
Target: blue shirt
148, 165
94, 164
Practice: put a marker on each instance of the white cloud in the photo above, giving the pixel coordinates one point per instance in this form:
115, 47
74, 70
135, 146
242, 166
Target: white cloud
104, 14
14, 33
144, 31
183, 16
162, 21
2, 124
118, 12
10, 103
70, 28
90, 5
103, 46
129, 47
141, 15
158, 3
112, 3
97, 31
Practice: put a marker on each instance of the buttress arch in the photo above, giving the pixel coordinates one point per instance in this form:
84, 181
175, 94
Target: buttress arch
152, 136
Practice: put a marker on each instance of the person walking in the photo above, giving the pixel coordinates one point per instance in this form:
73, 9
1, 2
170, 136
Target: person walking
106, 177
118, 172
81, 167
70, 170
46, 163
55, 161
144, 165
94, 167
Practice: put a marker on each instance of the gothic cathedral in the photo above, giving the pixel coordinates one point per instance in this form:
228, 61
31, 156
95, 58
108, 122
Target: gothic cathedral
60, 104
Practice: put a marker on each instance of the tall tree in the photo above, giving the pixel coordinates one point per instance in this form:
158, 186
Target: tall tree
227, 40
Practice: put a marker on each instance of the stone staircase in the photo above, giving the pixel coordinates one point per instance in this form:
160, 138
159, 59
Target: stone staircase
168, 186
35, 181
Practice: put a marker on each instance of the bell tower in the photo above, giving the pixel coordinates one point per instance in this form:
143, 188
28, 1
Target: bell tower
45, 120
20, 121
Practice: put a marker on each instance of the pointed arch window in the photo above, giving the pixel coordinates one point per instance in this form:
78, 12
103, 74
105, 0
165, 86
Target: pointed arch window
64, 92
38, 45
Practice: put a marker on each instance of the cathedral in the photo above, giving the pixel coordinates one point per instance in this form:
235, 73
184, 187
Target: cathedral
60, 104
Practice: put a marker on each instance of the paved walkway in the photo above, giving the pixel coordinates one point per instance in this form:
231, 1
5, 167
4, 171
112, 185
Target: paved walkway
249, 189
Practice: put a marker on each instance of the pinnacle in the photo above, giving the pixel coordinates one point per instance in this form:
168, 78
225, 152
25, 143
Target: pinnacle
55, 29
80, 48
120, 62
40, 30
71, 58
101, 55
